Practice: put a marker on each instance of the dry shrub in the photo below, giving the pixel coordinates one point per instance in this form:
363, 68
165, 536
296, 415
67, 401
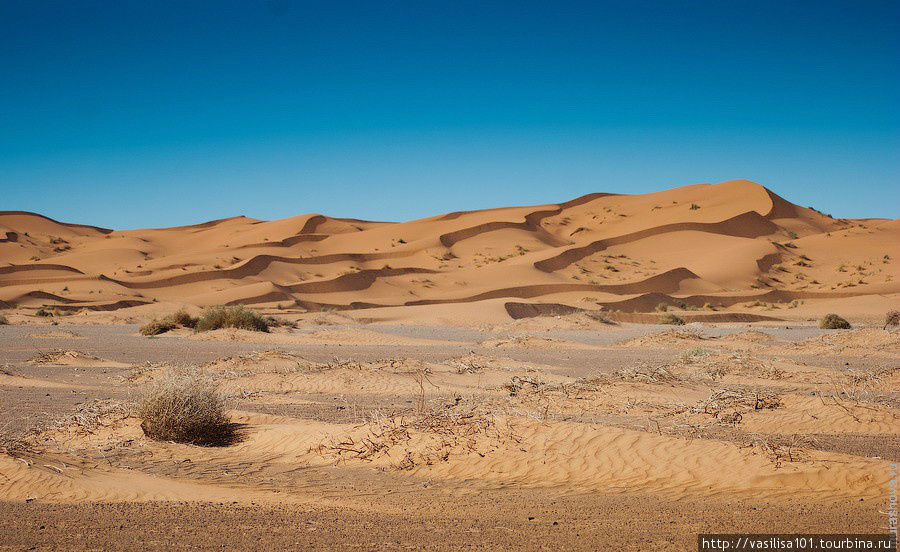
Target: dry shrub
156, 327
672, 319
467, 366
599, 317
518, 383
428, 438
179, 318
645, 374
833, 322
892, 319
280, 322
237, 316
3, 320
785, 448
642, 373
861, 386
186, 406
92, 415
729, 405
15, 446
182, 318
662, 307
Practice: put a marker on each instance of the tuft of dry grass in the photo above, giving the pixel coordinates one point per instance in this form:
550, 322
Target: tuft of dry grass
186, 406
600, 317
179, 318
156, 327
3, 320
672, 319
892, 318
237, 316
833, 322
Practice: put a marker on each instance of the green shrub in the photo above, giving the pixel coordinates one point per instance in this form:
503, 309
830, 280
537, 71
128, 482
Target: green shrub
672, 319
237, 316
833, 322
186, 407
892, 319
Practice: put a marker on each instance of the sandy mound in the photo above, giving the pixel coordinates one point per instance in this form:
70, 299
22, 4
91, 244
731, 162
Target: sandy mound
57, 334
534, 342
833, 414
577, 321
667, 338
861, 342
484, 451
499, 451
14, 379
752, 336
336, 336
74, 358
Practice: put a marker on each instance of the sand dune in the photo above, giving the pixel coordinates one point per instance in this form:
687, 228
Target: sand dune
723, 245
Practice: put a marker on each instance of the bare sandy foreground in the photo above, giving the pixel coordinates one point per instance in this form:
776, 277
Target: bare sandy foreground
562, 432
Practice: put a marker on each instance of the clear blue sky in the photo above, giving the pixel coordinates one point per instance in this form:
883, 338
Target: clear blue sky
133, 113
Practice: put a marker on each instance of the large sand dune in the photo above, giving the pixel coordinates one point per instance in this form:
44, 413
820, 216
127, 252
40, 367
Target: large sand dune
721, 245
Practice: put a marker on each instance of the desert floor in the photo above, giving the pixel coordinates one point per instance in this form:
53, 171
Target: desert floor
556, 432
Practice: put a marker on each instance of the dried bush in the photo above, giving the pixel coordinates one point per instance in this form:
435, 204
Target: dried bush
237, 316
729, 405
425, 439
645, 374
3, 320
833, 322
156, 327
186, 406
518, 383
182, 318
892, 319
179, 318
599, 317
672, 319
